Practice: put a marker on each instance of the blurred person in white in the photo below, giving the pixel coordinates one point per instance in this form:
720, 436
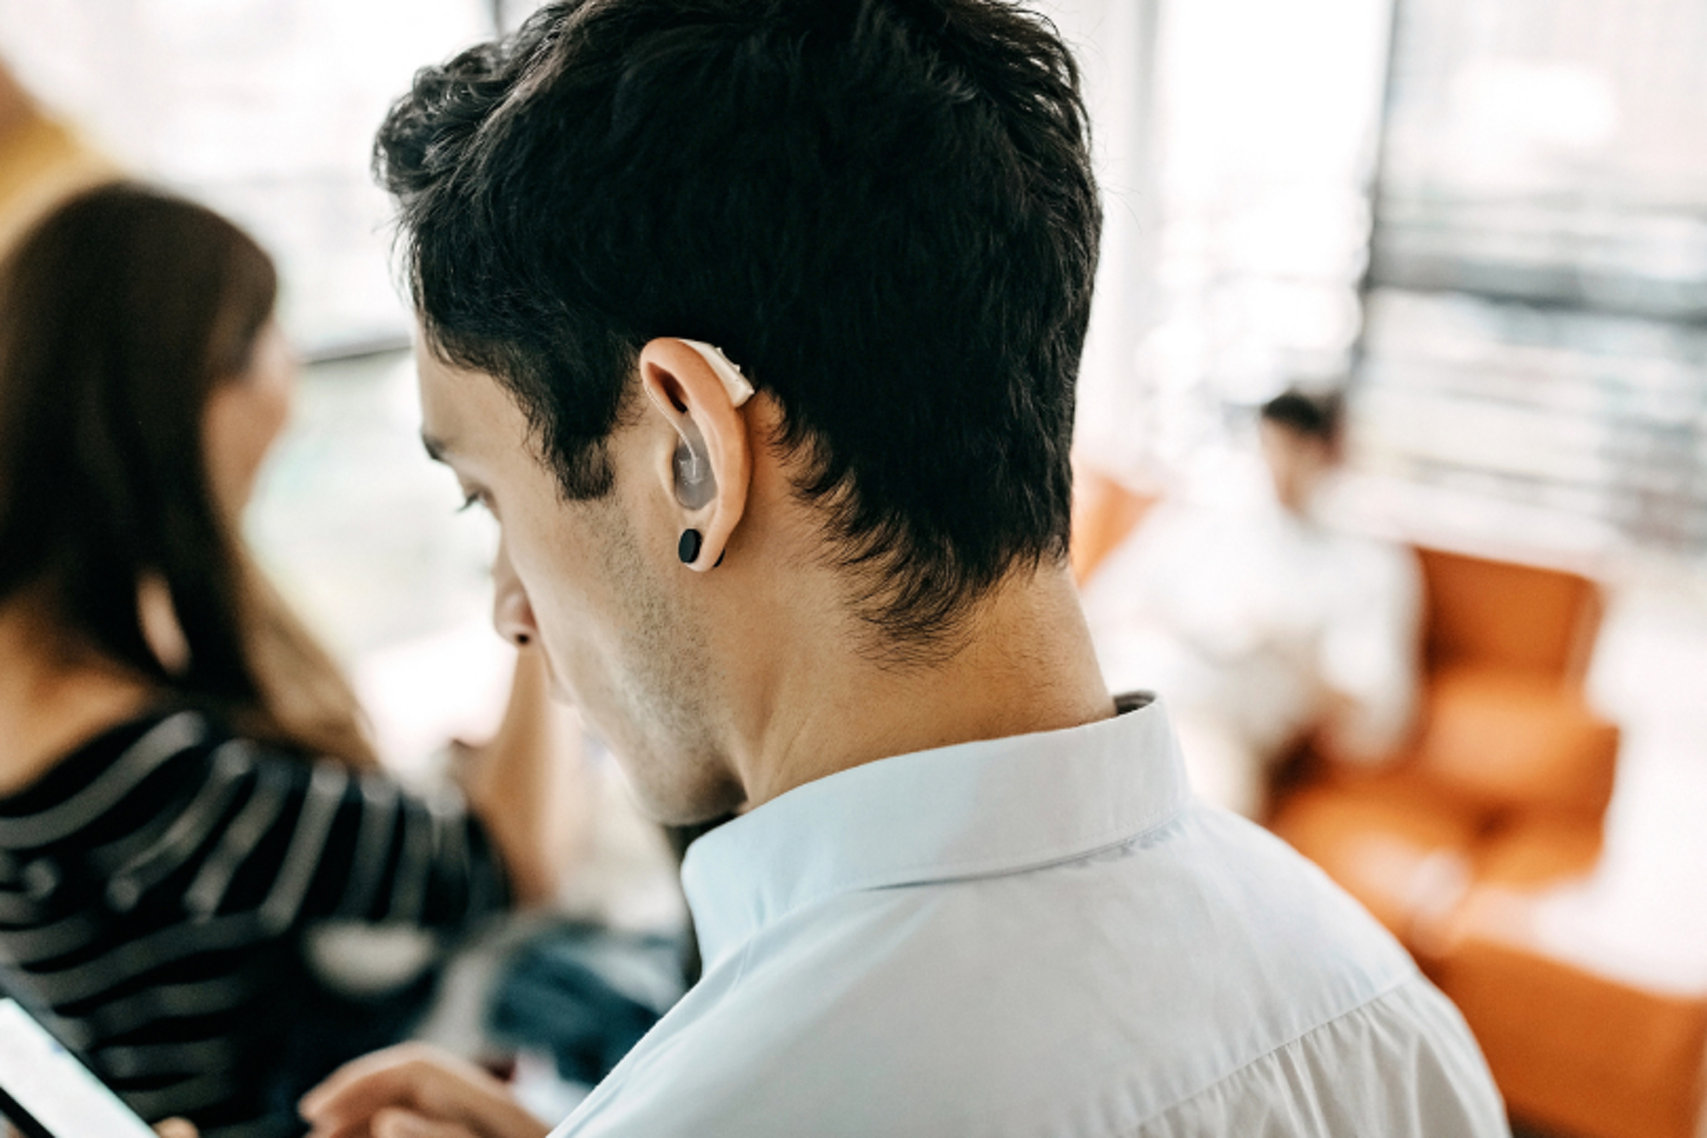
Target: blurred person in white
1260, 622
187, 794
967, 891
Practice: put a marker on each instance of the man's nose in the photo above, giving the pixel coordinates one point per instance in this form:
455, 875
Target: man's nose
512, 614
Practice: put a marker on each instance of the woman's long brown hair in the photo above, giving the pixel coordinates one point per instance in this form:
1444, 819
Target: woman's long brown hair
120, 313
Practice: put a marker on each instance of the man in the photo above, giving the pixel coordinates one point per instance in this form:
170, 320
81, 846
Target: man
968, 892
1259, 621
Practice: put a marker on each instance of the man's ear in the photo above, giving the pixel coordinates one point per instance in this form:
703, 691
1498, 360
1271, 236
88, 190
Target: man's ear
709, 467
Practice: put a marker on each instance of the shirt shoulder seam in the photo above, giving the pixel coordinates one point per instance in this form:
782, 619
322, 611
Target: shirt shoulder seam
973, 869
1406, 977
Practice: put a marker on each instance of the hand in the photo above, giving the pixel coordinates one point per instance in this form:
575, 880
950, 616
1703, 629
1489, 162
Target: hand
176, 1128
415, 1091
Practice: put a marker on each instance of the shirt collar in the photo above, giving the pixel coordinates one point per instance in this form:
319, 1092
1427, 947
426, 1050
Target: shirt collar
970, 810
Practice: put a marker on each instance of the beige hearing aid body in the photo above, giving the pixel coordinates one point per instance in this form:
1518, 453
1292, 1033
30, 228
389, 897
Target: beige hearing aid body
736, 384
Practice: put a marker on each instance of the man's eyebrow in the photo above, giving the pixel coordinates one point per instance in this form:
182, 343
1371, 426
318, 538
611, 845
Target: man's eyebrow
437, 448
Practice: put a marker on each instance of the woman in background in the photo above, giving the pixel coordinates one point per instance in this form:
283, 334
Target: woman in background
185, 786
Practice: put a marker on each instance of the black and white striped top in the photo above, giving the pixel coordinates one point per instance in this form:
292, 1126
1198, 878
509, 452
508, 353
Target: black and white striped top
156, 884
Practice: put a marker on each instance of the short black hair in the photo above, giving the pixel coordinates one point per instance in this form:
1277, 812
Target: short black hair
1313, 416
883, 210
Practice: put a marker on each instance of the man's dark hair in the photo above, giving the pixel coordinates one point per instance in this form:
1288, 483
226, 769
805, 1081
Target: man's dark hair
1313, 416
883, 210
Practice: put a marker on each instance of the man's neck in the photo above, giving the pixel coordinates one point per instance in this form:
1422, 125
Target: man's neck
1026, 665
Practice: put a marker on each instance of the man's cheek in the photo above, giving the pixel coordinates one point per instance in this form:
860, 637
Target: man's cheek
578, 671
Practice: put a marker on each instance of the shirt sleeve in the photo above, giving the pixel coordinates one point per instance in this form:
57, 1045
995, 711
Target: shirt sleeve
300, 841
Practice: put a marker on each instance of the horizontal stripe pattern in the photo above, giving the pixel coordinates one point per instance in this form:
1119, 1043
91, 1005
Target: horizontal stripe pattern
154, 887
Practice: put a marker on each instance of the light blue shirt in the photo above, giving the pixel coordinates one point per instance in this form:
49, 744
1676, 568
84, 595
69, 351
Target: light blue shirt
1042, 935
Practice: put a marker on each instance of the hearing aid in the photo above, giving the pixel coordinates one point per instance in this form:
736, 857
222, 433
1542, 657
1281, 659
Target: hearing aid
695, 483
729, 374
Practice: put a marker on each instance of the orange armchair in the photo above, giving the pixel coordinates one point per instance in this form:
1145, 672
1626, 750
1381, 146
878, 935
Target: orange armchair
1572, 1049
1498, 798
1504, 742
1498, 801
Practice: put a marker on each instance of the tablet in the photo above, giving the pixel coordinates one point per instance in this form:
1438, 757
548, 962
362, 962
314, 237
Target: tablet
47, 1093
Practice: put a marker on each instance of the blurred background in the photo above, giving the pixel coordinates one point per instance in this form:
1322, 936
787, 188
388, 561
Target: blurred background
1484, 221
